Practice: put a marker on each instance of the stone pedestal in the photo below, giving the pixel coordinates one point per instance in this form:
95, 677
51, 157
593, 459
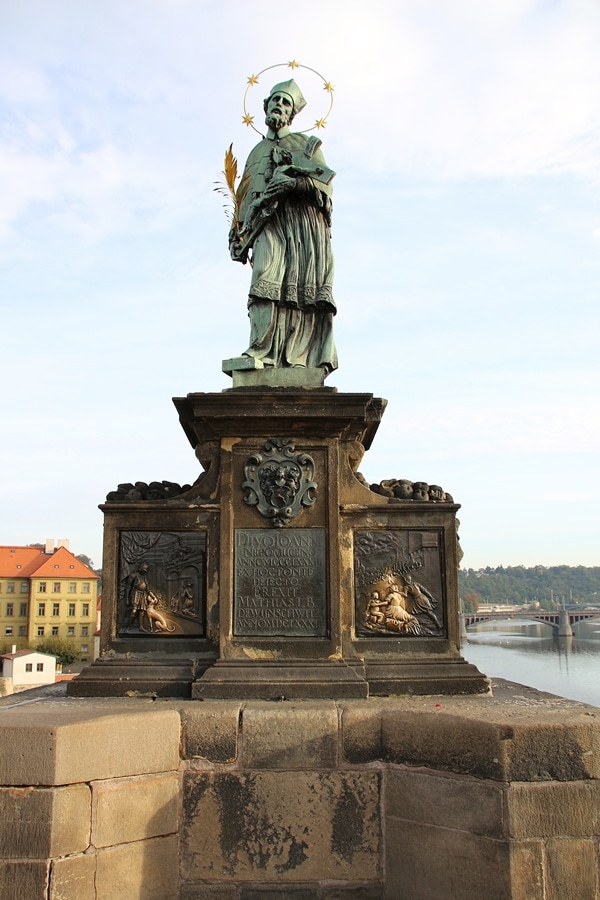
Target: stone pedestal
280, 574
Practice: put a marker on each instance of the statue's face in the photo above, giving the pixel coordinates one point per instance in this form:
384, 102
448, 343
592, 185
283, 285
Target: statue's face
280, 109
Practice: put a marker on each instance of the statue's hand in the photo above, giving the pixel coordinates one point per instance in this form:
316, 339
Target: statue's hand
236, 248
279, 184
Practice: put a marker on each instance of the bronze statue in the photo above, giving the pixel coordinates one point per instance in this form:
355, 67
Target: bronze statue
283, 227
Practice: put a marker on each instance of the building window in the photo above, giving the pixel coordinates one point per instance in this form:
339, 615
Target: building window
29, 667
42, 587
40, 631
41, 609
55, 631
71, 631
72, 587
8, 630
71, 609
22, 630
84, 631
85, 610
56, 609
10, 587
10, 609
23, 609
39, 667
84, 648
56, 587
85, 588
24, 587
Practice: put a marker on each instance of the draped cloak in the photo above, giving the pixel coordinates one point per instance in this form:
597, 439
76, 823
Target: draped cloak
290, 303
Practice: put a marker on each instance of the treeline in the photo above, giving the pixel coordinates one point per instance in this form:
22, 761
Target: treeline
520, 585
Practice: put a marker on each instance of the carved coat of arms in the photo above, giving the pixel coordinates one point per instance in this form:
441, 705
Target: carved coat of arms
279, 481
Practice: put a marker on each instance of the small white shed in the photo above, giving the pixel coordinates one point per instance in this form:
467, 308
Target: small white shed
29, 668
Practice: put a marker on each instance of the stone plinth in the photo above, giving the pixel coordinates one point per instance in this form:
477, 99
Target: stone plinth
280, 573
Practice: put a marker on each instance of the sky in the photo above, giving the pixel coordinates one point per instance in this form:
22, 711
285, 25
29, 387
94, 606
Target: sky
465, 135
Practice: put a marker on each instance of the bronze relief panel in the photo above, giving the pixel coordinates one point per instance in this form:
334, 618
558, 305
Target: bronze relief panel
398, 583
162, 584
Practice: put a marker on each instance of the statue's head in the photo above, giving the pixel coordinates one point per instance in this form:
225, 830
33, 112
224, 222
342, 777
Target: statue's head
282, 104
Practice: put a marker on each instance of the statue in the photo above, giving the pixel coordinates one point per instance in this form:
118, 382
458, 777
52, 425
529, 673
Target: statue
283, 220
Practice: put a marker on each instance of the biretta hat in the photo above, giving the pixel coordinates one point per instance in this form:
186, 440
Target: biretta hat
292, 90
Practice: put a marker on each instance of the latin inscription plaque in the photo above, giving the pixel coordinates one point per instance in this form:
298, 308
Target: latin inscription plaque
280, 582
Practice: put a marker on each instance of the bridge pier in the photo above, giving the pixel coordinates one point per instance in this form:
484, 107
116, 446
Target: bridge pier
564, 624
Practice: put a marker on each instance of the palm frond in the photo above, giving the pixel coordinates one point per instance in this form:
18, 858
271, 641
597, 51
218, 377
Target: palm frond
228, 189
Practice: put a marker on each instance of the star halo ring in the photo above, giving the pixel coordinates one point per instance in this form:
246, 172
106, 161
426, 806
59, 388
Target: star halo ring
248, 119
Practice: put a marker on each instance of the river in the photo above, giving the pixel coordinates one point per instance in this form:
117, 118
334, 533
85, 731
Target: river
530, 654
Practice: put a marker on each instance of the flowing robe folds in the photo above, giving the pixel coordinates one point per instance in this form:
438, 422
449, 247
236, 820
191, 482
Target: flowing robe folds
290, 302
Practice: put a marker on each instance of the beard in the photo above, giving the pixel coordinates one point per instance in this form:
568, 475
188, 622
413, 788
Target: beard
275, 120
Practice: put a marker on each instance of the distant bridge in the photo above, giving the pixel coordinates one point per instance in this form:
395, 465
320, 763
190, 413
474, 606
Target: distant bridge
556, 620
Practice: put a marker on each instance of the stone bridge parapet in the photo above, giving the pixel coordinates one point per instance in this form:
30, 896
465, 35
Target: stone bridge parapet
472, 797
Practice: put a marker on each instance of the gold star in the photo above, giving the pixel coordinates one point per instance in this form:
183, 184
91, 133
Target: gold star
320, 123
293, 64
247, 119
328, 87
253, 80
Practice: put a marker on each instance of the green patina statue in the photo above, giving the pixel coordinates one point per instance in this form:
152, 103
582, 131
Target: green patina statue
283, 226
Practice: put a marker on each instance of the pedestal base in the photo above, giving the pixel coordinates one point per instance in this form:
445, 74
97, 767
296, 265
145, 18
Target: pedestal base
260, 680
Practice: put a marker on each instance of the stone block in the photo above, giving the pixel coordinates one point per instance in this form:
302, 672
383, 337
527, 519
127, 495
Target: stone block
73, 878
290, 735
361, 731
59, 744
146, 870
281, 826
209, 891
353, 892
444, 800
572, 870
527, 870
24, 880
302, 892
133, 809
547, 810
446, 742
428, 863
557, 751
210, 730
38, 823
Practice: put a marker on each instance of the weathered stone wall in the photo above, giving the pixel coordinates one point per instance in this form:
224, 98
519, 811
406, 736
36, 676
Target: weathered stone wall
474, 798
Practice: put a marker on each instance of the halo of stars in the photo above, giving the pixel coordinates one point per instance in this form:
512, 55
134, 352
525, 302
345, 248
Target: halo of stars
248, 119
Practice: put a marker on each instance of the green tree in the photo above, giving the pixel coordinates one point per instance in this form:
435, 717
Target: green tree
61, 649
471, 601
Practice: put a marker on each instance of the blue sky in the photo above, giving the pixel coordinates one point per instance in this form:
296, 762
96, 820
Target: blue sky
466, 139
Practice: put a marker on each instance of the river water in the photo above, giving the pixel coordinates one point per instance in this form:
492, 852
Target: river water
530, 654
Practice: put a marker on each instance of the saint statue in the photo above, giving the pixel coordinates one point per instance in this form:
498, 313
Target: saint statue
284, 228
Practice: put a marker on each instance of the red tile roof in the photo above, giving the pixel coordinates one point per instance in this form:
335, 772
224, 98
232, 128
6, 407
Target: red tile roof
62, 564
23, 562
20, 562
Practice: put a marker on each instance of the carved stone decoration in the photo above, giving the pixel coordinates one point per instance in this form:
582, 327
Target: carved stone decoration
162, 579
279, 482
419, 491
389, 600
156, 490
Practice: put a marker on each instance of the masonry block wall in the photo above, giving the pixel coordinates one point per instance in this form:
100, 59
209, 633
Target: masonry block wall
404, 799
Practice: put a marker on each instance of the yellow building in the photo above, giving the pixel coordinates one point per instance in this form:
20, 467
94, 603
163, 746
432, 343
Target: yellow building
44, 594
